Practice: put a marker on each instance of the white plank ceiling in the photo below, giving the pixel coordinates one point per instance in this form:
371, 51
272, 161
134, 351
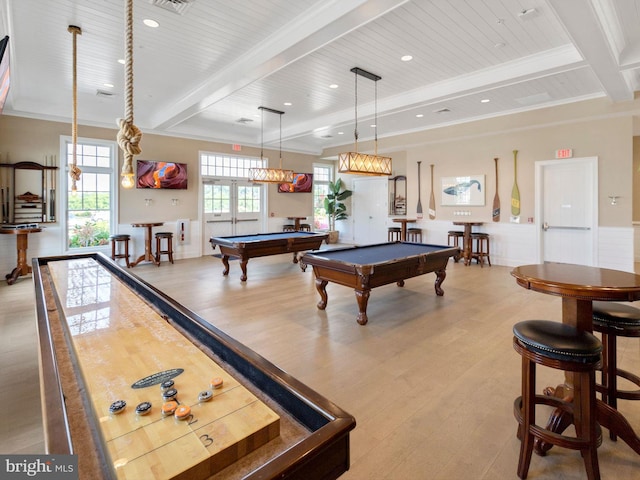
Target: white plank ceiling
210, 64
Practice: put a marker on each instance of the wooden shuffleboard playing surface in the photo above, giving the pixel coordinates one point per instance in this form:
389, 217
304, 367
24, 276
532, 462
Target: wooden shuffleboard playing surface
124, 351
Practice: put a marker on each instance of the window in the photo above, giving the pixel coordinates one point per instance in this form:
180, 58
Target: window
89, 213
322, 175
218, 165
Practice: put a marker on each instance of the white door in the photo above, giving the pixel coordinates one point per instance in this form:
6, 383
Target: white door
370, 210
232, 207
567, 210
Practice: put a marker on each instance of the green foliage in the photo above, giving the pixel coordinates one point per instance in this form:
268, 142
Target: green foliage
336, 210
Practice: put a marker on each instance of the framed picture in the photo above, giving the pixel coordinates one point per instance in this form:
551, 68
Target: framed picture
463, 190
302, 183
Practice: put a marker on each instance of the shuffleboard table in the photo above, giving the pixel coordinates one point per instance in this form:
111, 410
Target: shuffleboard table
115, 352
245, 247
369, 266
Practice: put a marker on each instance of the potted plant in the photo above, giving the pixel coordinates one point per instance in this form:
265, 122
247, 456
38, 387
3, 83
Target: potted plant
336, 210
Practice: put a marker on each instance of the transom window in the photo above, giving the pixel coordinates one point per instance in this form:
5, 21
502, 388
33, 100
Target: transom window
218, 165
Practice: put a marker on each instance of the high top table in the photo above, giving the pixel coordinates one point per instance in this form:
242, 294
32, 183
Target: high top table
579, 286
403, 226
148, 255
22, 243
466, 244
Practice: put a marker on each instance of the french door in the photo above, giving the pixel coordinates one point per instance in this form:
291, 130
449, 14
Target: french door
232, 207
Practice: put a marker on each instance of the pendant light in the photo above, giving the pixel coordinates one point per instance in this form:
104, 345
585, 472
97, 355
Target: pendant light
270, 175
363, 163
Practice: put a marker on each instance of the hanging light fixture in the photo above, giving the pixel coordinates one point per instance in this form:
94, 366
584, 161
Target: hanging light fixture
363, 163
129, 135
270, 175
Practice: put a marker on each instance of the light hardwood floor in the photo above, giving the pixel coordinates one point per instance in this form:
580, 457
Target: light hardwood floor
430, 380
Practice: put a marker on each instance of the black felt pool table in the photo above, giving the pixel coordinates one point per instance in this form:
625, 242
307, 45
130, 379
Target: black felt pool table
369, 266
245, 247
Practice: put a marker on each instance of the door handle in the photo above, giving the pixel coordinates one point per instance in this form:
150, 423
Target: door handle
546, 226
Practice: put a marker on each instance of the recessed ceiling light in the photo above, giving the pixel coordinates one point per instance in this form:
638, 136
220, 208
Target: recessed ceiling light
108, 85
485, 100
406, 58
340, 133
499, 45
333, 85
288, 104
121, 61
150, 23
419, 115
373, 125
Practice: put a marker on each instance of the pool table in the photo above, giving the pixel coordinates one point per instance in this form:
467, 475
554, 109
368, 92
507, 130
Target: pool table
245, 247
369, 266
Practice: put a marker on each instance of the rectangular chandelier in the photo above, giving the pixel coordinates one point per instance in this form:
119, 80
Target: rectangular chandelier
364, 164
270, 175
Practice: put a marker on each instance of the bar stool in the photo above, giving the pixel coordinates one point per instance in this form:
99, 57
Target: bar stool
394, 234
455, 236
116, 252
414, 235
169, 247
480, 248
288, 228
563, 347
614, 320
305, 227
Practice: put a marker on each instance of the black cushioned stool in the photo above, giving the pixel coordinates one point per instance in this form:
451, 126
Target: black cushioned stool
394, 234
288, 228
116, 252
614, 320
563, 347
168, 236
305, 227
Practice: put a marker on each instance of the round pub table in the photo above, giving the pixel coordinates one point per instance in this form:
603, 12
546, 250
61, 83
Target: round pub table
148, 255
22, 243
579, 286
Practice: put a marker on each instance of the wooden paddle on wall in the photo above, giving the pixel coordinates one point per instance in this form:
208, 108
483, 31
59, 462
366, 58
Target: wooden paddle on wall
432, 199
496, 197
419, 207
515, 192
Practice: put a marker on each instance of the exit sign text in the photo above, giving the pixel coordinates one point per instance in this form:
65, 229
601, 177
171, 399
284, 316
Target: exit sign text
564, 153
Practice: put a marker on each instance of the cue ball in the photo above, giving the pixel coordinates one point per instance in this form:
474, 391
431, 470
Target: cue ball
117, 406
143, 408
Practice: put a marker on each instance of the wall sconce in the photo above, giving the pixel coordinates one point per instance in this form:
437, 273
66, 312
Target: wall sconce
147, 202
614, 199
174, 202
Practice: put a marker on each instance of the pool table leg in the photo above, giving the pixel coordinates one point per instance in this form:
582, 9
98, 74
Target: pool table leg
295, 257
243, 266
440, 276
225, 262
362, 296
321, 286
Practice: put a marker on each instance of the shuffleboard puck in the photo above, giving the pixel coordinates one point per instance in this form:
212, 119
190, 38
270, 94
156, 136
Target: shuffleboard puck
216, 382
118, 406
164, 386
183, 412
170, 394
205, 395
143, 408
169, 408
